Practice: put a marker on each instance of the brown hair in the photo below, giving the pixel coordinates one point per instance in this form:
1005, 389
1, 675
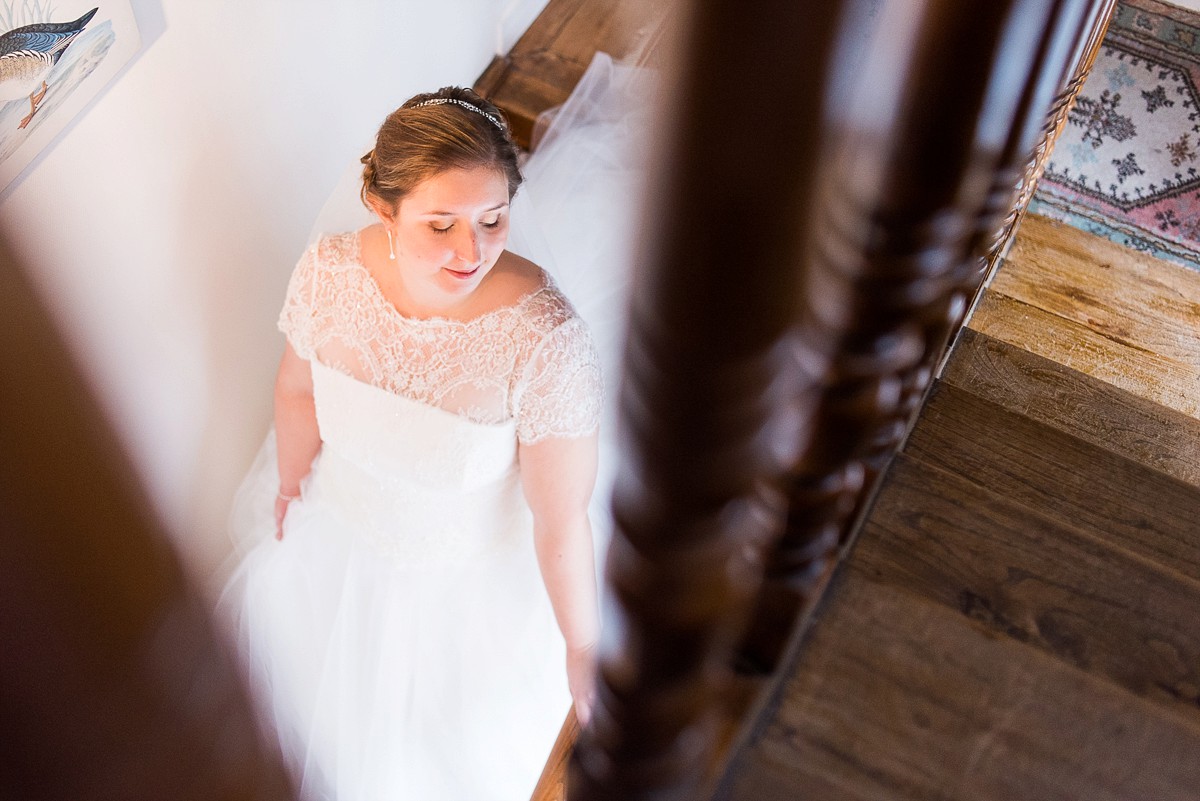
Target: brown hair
416, 142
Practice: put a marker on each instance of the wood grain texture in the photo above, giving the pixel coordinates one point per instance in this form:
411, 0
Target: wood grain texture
1140, 372
1134, 300
1084, 407
1033, 578
1088, 304
552, 785
1067, 480
897, 698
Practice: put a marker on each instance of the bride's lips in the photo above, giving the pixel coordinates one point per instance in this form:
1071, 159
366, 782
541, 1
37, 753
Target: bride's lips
460, 273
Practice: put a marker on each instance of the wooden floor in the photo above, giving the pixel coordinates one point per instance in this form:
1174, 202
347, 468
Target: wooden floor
1020, 618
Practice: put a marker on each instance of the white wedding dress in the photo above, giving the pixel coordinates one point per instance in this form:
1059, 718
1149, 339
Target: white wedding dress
399, 638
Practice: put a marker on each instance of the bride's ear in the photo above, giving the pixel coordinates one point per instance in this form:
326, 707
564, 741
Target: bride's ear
381, 210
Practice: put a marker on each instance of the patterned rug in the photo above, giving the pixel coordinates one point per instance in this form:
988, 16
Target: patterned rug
1127, 165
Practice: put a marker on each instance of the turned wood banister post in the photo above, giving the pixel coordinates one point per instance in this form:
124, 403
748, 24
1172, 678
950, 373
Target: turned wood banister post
1072, 50
705, 377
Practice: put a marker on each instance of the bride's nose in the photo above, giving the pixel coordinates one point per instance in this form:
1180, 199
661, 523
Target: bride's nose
467, 247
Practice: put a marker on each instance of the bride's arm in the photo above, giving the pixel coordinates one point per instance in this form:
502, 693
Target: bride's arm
558, 476
296, 433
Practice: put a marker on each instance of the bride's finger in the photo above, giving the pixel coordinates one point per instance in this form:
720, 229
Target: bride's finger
583, 709
280, 512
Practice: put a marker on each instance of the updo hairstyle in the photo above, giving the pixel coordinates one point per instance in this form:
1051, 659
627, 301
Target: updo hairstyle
417, 142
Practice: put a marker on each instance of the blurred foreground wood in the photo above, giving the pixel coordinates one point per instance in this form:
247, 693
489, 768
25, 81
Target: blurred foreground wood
113, 685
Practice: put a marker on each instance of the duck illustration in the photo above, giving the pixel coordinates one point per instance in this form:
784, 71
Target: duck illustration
27, 54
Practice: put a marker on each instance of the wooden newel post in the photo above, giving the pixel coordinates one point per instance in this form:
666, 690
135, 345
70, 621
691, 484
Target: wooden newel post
714, 301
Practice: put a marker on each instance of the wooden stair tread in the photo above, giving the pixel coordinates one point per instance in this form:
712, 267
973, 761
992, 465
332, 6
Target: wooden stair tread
1070, 401
1087, 303
1112, 498
1140, 372
1027, 575
1134, 299
897, 697
978, 647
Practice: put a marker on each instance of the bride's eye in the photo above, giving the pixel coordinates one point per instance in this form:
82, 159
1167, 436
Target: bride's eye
492, 223
438, 230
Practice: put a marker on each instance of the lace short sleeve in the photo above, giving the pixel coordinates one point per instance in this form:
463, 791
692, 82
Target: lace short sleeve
296, 319
562, 392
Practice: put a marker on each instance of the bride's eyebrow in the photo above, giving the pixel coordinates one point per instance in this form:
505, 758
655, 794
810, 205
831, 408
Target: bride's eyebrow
452, 214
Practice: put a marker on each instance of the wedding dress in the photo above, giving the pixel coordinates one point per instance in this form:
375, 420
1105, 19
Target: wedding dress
399, 638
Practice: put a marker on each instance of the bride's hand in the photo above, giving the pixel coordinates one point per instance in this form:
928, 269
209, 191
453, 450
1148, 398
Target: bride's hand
281, 506
581, 679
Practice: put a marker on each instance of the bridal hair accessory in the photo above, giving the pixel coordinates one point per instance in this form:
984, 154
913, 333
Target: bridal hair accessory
439, 101
391, 246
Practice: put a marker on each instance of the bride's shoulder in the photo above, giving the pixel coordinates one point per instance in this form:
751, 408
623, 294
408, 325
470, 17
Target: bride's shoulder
531, 289
513, 277
335, 249
515, 281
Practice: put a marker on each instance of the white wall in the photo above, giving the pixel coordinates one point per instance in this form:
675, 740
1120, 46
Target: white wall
163, 225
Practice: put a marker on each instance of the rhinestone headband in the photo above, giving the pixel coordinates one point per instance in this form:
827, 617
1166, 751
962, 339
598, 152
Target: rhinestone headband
439, 101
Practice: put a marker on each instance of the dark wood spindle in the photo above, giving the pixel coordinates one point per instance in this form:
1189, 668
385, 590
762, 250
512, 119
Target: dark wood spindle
713, 304
1085, 44
1067, 48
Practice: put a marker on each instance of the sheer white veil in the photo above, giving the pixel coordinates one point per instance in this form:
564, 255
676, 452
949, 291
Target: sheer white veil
579, 215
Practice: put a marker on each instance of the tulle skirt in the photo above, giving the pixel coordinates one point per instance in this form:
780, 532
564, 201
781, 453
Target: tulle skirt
439, 681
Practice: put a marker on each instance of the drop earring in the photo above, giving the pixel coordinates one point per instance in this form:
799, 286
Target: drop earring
391, 245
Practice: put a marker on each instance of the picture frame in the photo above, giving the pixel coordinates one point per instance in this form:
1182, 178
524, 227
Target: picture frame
55, 57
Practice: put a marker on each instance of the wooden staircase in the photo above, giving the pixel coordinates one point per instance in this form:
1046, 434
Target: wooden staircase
1020, 616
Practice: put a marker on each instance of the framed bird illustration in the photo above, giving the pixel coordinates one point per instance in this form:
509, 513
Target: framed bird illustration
55, 57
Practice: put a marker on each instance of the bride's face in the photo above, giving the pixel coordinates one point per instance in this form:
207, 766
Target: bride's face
450, 230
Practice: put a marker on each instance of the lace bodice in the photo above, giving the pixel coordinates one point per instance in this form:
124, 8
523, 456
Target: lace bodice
533, 362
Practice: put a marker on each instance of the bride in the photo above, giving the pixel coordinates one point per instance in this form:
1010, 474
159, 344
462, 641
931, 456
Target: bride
426, 609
